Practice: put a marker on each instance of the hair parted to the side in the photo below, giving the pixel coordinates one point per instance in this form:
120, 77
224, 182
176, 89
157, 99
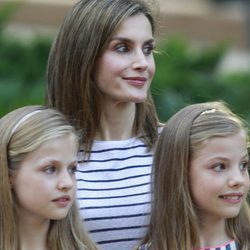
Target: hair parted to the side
84, 34
174, 221
15, 144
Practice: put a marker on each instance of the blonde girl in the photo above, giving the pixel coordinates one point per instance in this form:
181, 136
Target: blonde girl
38, 151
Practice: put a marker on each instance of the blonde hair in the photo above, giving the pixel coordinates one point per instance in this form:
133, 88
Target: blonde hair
174, 221
84, 34
22, 131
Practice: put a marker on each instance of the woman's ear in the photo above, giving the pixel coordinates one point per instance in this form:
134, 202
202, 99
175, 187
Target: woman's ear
12, 180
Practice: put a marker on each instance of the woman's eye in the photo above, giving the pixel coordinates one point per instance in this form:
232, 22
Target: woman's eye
219, 167
147, 50
50, 170
122, 48
244, 165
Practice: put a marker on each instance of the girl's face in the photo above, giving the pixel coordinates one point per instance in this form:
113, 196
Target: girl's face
44, 186
219, 179
125, 69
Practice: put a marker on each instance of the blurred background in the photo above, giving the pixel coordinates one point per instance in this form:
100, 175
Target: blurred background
203, 52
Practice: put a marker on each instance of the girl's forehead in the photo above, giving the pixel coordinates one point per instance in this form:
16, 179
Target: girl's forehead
235, 143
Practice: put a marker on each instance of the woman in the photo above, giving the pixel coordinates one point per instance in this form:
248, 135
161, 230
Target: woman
99, 73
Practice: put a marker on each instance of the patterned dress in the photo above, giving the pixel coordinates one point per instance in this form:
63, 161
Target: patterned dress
232, 245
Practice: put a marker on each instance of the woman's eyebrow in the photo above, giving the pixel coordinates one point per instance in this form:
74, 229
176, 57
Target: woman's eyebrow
125, 39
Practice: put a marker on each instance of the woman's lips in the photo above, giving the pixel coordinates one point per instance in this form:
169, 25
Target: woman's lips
136, 81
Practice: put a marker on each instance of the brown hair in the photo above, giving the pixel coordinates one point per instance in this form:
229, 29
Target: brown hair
84, 34
174, 221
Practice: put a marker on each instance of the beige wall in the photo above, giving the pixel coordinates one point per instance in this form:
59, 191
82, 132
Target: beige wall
197, 20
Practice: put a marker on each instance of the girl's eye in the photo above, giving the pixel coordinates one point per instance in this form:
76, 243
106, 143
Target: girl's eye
147, 50
219, 167
72, 169
122, 48
50, 169
244, 166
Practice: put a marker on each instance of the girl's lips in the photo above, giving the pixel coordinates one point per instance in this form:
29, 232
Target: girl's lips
62, 201
232, 198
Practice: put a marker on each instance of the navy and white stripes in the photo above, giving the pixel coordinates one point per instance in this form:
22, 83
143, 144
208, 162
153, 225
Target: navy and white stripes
114, 192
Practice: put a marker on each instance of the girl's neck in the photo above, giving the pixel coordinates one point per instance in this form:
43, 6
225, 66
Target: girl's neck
117, 122
213, 233
33, 234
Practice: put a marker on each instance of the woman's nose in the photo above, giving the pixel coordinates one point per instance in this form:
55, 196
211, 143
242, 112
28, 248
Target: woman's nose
140, 61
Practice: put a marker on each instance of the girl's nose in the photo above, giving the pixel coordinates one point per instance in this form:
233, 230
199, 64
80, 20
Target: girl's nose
66, 181
237, 178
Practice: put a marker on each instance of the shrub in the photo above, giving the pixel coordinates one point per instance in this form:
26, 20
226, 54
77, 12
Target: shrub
185, 76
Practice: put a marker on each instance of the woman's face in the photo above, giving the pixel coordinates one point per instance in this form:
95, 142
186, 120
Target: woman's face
124, 71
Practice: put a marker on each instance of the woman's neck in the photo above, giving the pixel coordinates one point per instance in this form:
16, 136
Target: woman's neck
213, 233
117, 122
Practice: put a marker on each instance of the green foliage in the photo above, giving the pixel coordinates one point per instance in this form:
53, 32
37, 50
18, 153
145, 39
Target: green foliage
22, 72
185, 76
27, 61
22, 66
6, 11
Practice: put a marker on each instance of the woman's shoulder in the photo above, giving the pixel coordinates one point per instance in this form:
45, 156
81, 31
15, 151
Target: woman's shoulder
160, 127
146, 246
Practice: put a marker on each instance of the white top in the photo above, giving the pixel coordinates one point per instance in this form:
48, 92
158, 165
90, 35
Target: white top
114, 192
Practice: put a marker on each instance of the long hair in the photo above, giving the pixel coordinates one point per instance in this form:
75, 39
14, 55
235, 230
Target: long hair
174, 220
84, 34
22, 131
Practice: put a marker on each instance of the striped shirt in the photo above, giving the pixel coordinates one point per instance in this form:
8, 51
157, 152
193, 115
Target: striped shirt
114, 192
232, 245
